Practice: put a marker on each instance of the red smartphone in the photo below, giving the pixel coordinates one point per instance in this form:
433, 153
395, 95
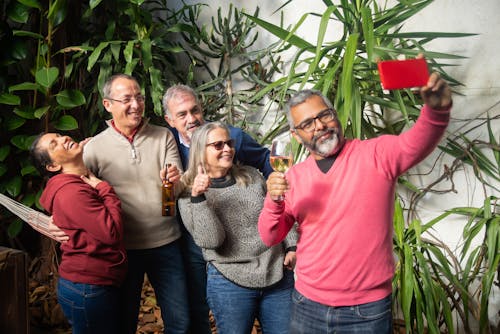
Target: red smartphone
398, 74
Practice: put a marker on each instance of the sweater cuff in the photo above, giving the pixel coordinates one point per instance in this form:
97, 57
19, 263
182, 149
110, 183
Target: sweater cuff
439, 115
102, 184
291, 249
198, 199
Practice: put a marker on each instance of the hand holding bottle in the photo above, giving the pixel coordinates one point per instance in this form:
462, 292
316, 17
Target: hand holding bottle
171, 172
168, 190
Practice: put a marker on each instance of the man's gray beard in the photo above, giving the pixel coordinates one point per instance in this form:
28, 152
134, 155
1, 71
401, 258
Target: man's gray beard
327, 148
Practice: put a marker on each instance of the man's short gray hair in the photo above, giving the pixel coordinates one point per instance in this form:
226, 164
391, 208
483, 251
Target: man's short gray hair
106, 89
299, 98
173, 92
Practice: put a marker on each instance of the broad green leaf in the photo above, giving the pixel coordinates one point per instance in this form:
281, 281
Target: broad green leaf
29, 199
346, 85
66, 123
23, 86
31, 3
10, 99
146, 53
94, 3
57, 12
18, 12
115, 50
24, 33
156, 90
282, 33
13, 186
70, 98
94, 56
130, 66
41, 111
18, 50
182, 27
15, 228
28, 170
46, 77
22, 142
4, 152
367, 24
13, 122
68, 70
407, 282
128, 51
25, 112
399, 222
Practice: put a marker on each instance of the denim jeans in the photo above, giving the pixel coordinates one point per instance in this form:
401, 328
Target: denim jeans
90, 309
196, 274
165, 270
309, 317
235, 307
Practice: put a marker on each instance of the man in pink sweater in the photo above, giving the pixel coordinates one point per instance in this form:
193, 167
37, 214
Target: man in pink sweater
342, 197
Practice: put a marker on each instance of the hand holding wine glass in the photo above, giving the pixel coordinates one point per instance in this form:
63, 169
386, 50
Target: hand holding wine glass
281, 160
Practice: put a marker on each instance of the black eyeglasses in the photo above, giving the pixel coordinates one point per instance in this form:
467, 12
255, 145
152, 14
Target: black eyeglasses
128, 100
219, 145
309, 125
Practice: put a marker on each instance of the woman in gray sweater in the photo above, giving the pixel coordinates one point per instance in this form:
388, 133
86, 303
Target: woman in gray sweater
220, 207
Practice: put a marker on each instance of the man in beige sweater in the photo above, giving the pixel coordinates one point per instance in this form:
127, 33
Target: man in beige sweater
130, 154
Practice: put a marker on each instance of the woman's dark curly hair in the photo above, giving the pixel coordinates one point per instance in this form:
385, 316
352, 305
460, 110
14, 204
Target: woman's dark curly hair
41, 158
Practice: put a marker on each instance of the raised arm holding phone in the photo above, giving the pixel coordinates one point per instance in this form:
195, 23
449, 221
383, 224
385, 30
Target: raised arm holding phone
342, 197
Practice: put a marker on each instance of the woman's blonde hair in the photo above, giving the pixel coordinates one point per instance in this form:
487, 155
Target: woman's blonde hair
197, 157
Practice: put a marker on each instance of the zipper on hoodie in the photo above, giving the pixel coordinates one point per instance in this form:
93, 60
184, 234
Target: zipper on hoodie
134, 155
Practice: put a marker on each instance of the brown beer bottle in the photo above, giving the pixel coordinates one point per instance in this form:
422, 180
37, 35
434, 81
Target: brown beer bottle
167, 197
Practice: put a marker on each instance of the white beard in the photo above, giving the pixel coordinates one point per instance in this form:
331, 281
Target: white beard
327, 147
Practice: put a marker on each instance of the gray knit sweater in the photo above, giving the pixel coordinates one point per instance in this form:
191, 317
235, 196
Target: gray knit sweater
224, 224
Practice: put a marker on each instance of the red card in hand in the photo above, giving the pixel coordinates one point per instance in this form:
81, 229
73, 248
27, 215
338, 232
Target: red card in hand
397, 74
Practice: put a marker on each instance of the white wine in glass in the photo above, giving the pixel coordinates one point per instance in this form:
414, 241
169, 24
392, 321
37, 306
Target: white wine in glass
281, 155
281, 158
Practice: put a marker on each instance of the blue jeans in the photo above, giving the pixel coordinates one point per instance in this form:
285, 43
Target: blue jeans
90, 309
235, 307
196, 274
165, 270
309, 317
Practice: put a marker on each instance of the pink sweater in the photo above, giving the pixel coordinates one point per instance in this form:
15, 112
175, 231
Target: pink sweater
344, 252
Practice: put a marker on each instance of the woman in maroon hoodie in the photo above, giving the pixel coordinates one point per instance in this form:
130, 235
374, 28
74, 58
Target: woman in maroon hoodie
93, 263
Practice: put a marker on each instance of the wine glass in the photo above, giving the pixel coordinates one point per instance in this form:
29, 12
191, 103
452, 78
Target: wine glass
281, 157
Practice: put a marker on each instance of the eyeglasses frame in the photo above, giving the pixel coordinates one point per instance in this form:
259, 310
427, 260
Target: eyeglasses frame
217, 143
331, 113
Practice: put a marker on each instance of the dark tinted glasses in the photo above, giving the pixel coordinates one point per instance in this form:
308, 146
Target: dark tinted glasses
219, 145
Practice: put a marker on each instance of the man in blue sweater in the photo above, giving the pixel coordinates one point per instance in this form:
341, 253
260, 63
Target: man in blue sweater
184, 114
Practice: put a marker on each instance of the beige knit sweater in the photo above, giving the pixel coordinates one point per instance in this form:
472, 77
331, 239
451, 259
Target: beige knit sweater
134, 172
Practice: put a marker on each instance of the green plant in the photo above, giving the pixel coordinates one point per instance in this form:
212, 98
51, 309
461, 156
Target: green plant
232, 69
33, 89
54, 70
430, 282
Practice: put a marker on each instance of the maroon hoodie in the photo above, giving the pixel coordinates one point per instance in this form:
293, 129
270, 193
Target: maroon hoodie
94, 253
